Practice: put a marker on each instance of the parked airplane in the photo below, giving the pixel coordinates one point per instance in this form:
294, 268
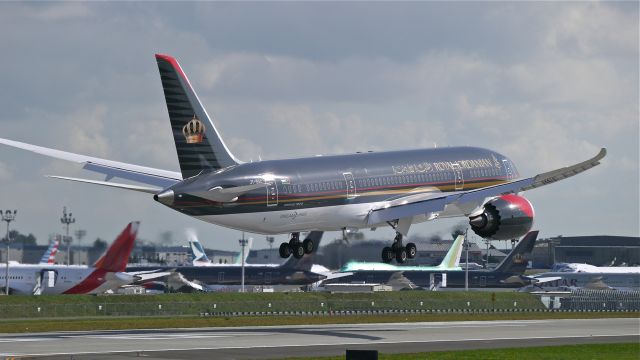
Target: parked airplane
586, 268
200, 257
329, 193
217, 277
599, 279
513, 265
451, 261
106, 274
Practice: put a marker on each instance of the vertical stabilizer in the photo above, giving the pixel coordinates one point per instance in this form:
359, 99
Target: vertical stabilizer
116, 257
49, 256
197, 251
518, 258
452, 259
198, 143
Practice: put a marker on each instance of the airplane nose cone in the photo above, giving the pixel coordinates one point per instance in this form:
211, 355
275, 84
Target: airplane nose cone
165, 197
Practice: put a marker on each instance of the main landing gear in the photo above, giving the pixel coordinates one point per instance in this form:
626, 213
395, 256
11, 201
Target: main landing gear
399, 252
295, 247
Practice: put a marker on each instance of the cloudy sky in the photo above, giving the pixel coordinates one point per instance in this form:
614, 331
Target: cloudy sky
547, 84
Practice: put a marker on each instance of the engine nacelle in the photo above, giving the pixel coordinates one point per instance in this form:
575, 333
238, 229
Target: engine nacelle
503, 218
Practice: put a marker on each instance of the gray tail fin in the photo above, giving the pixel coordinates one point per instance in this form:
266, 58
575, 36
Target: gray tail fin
518, 258
198, 143
307, 261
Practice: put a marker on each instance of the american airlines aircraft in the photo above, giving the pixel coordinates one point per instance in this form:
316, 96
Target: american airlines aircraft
324, 193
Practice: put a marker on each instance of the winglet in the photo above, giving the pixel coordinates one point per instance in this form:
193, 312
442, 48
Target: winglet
115, 259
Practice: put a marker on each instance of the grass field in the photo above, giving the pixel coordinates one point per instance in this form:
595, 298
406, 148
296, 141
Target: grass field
566, 352
115, 323
193, 304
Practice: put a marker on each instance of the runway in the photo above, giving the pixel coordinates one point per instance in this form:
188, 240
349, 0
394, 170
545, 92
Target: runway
317, 340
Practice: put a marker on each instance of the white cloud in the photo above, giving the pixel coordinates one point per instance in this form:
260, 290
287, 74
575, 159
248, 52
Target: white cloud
593, 28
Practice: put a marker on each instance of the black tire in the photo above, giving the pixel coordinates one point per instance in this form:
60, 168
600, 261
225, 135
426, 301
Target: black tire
412, 250
401, 256
298, 251
387, 254
285, 250
307, 244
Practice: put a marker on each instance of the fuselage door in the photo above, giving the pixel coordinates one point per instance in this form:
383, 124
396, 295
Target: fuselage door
507, 168
351, 185
457, 174
272, 193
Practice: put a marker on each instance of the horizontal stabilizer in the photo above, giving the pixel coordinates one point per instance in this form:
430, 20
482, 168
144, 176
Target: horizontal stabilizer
143, 174
146, 189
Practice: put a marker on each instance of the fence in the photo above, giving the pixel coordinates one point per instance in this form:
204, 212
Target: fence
602, 300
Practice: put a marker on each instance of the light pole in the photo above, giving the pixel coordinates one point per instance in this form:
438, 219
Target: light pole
466, 269
66, 220
270, 240
7, 216
243, 244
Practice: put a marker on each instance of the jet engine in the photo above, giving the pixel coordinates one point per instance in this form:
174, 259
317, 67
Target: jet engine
503, 218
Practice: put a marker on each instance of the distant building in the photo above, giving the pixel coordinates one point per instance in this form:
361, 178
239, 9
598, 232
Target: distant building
598, 250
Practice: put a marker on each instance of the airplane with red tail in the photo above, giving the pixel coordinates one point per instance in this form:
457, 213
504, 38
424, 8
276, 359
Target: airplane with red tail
108, 272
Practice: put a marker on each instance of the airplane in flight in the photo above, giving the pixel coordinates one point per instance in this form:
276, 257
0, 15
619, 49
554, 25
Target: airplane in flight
323, 193
106, 274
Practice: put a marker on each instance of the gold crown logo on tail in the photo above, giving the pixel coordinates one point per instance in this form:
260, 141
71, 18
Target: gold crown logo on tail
193, 131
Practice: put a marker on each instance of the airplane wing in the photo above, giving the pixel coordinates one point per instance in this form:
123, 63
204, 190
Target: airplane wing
111, 169
437, 202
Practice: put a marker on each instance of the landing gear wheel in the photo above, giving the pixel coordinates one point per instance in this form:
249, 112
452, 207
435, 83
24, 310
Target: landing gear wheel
285, 250
394, 246
412, 250
401, 256
387, 254
298, 251
307, 245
